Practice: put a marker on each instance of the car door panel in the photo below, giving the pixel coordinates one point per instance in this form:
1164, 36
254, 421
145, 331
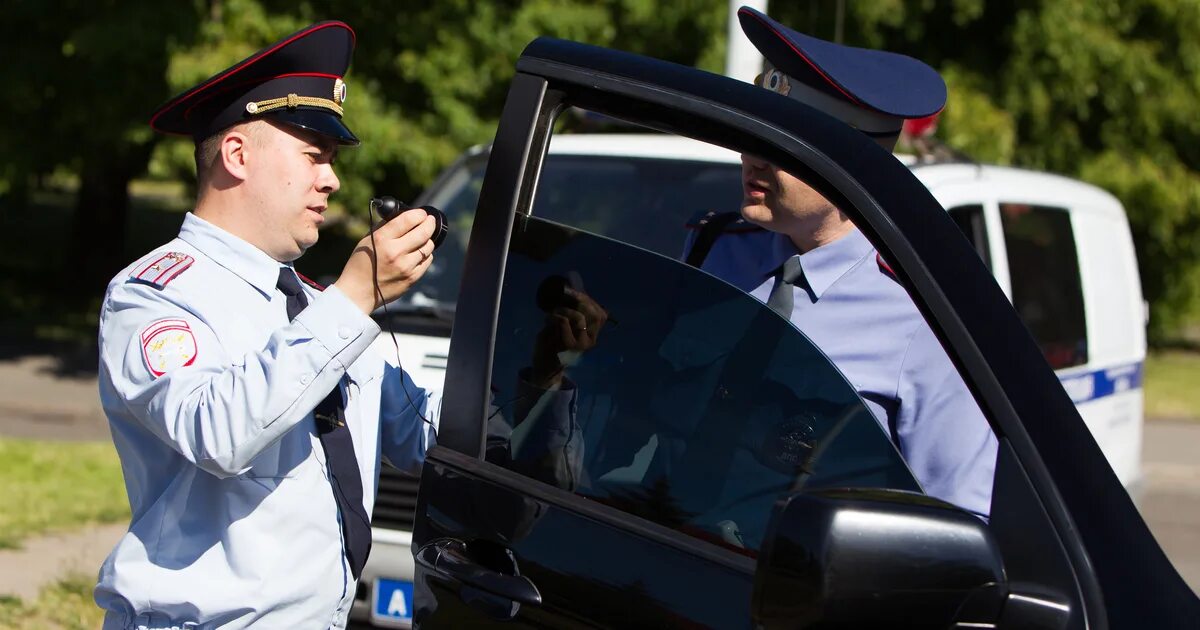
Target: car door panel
1089, 546
592, 572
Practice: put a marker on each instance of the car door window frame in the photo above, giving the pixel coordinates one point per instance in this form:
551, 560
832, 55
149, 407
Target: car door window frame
947, 281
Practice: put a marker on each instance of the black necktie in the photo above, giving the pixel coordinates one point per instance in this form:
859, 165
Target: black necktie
782, 299
339, 450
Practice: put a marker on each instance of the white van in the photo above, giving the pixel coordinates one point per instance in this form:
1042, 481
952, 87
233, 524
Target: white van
1061, 250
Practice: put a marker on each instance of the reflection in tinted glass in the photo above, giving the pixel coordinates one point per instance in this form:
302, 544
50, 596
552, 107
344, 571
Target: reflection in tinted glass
697, 408
644, 202
1046, 290
970, 220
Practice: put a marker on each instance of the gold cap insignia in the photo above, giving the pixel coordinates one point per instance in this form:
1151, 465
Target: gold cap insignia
339, 91
778, 82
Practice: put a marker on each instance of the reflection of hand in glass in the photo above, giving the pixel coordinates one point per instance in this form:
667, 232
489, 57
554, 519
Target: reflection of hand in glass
573, 323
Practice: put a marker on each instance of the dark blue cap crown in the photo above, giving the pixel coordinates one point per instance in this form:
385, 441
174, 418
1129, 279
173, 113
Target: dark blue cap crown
297, 80
888, 84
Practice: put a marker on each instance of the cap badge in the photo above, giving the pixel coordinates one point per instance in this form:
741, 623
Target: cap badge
778, 82
339, 91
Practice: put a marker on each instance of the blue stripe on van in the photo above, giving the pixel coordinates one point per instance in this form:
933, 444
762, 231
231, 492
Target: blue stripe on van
1103, 382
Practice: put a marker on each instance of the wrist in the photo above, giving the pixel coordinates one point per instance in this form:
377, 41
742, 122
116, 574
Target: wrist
545, 378
362, 297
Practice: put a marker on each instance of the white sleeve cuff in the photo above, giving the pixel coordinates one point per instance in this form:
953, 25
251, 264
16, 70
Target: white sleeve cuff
335, 322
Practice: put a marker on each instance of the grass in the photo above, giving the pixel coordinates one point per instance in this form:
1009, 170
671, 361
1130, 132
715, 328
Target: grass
57, 486
65, 605
1172, 382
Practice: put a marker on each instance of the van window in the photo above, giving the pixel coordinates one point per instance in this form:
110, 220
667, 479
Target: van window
970, 220
1046, 289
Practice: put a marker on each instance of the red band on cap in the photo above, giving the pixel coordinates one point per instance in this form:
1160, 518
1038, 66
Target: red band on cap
248, 62
805, 58
201, 101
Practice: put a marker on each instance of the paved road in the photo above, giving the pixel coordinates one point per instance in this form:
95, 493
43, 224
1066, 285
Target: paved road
37, 403
1171, 502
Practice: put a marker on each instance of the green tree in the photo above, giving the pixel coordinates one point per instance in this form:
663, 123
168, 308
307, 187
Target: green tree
83, 76
1103, 90
1099, 89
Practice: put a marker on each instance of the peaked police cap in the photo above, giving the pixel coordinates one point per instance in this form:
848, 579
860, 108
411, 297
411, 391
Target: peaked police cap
872, 90
297, 80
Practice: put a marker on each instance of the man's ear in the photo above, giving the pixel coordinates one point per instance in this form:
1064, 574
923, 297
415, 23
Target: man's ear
235, 154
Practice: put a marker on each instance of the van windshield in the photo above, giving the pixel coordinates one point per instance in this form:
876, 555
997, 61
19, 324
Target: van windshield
641, 201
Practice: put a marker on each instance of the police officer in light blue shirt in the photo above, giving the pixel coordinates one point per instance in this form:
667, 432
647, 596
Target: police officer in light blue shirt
248, 413
798, 253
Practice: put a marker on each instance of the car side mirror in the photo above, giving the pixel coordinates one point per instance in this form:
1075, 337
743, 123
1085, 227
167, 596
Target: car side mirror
876, 558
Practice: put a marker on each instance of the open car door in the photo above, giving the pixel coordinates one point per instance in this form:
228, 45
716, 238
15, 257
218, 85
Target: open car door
706, 465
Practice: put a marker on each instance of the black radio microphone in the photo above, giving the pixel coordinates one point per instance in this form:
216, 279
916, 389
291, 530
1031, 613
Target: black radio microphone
389, 207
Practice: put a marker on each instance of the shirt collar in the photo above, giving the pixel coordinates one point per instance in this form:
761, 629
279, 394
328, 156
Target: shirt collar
245, 260
825, 264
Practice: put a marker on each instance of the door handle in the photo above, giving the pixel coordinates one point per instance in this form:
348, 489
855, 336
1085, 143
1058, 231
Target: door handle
449, 557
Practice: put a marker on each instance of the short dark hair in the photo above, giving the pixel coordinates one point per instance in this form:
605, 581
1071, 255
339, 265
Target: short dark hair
208, 150
206, 153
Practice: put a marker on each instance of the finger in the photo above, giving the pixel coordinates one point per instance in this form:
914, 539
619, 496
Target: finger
577, 319
566, 331
590, 308
418, 236
402, 223
416, 260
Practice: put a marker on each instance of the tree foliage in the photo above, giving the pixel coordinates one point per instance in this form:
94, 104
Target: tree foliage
1099, 89
1103, 90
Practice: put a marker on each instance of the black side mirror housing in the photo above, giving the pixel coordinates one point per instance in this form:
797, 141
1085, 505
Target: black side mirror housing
876, 558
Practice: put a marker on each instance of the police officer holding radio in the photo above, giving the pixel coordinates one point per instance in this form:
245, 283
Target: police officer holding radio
791, 248
249, 417
247, 413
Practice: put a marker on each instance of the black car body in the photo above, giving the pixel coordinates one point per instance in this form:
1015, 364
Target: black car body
505, 534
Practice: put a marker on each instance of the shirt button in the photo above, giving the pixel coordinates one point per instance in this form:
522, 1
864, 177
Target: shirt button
345, 332
306, 379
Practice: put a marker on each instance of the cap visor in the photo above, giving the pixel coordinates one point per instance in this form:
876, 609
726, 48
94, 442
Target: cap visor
320, 122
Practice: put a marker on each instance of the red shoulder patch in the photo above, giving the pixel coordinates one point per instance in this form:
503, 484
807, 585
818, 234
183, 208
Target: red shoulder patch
310, 282
160, 270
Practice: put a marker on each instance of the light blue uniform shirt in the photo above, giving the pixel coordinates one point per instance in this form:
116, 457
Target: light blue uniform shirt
868, 326
209, 391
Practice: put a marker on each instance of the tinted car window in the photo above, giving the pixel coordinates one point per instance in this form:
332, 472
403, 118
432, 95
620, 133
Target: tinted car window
644, 202
970, 220
1046, 289
697, 408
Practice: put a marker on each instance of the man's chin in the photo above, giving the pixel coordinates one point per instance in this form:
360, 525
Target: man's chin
756, 213
301, 247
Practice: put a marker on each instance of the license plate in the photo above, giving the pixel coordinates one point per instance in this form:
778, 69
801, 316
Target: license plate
392, 600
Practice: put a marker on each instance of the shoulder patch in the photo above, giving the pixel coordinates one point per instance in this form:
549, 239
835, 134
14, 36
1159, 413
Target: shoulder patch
730, 224
168, 344
159, 269
310, 282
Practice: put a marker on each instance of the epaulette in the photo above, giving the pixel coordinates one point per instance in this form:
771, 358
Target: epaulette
310, 282
885, 268
732, 224
160, 269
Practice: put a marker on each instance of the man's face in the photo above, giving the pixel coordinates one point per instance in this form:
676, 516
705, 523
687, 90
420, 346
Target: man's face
778, 201
290, 178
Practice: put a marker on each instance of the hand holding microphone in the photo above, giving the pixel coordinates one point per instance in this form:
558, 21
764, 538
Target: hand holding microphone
394, 256
389, 207
572, 327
